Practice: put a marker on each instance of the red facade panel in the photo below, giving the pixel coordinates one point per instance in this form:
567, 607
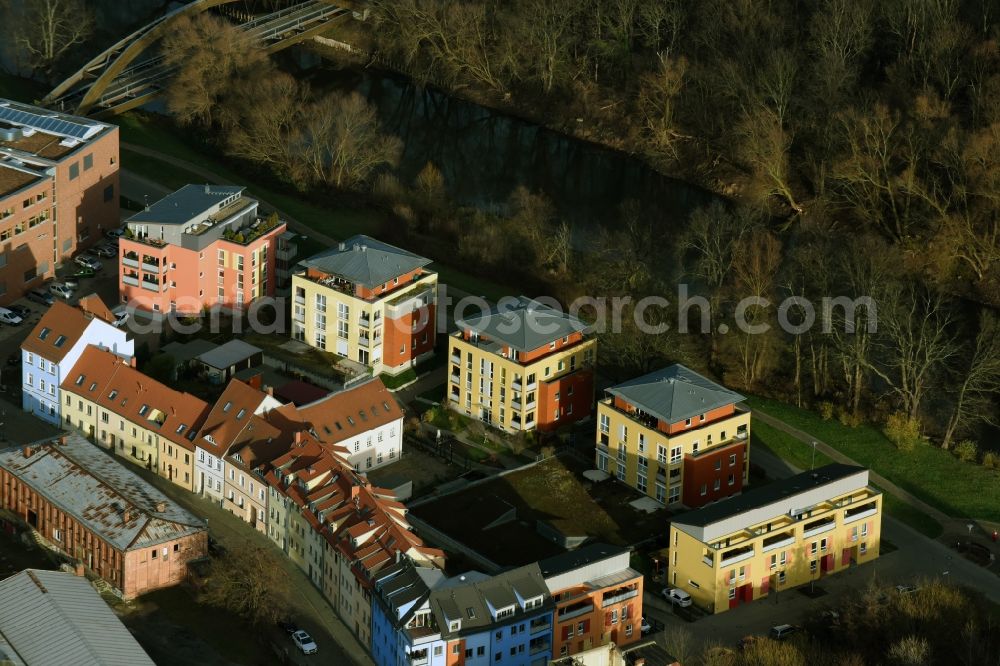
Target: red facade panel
713, 468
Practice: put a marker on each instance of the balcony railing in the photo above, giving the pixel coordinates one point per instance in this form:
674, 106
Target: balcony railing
618, 598
129, 280
150, 286
539, 624
736, 556
364, 342
407, 303
707, 561
851, 517
131, 263
819, 529
516, 385
364, 322
541, 646
151, 268
773, 544
456, 379
576, 610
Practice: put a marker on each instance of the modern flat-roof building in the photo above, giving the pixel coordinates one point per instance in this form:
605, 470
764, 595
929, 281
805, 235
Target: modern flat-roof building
54, 346
203, 246
675, 436
522, 366
99, 514
368, 301
52, 618
776, 537
598, 598
58, 191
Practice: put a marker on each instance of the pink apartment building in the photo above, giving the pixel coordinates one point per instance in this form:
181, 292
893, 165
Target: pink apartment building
204, 246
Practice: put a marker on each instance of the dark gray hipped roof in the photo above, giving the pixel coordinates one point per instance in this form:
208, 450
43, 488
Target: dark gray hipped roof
523, 323
366, 261
186, 203
470, 600
675, 393
51, 618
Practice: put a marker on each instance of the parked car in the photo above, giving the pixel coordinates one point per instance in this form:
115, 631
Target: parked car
84, 273
115, 234
121, 314
61, 290
89, 262
677, 597
22, 311
72, 282
287, 626
783, 631
305, 642
9, 318
906, 589
40, 296
105, 251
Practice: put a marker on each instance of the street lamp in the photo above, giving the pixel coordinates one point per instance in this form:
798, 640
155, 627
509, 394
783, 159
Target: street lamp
812, 465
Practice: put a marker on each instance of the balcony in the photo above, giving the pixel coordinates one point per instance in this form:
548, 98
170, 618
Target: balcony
515, 404
364, 322
530, 405
736, 555
418, 658
574, 610
819, 527
131, 281
300, 318
152, 268
515, 425
539, 647
364, 342
300, 300
618, 596
531, 387
286, 252
539, 624
456, 358
707, 561
150, 286
859, 512
131, 262
456, 378
409, 302
516, 385
778, 541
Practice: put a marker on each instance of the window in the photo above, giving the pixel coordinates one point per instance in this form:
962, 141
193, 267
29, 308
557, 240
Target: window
661, 454
675, 495
812, 548
731, 480
642, 443
864, 529
718, 465
717, 484
74, 170
605, 424
812, 566
732, 459
864, 548
438, 650
687, 423
88, 162
109, 193
704, 489
641, 483
781, 577
614, 616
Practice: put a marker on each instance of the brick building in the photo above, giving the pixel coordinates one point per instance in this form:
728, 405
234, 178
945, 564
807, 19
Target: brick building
58, 191
99, 514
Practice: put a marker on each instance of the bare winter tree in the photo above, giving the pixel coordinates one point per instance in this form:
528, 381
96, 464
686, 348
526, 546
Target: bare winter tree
249, 582
47, 29
979, 381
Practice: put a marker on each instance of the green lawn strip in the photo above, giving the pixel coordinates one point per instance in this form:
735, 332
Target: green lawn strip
393, 382
158, 171
932, 474
799, 453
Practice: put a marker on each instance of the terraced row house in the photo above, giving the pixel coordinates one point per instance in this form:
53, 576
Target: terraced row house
53, 347
527, 616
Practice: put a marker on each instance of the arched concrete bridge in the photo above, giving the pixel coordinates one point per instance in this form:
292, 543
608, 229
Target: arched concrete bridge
132, 72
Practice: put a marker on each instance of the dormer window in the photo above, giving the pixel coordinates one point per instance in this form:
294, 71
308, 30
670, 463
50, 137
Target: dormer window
44, 333
701, 418
143, 410
60, 341
112, 395
687, 423
455, 626
504, 612
93, 385
471, 612
226, 407
180, 428
79, 380
350, 420
240, 414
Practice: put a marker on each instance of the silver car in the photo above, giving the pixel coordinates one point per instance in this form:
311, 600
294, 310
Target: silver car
89, 262
61, 290
9, 318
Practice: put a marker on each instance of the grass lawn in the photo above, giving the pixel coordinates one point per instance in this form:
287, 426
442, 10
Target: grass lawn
936, 476
393, 382
800, 454
553, 491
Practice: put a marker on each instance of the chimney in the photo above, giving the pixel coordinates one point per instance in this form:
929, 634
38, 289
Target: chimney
78, 569
355, 491
269, 390
206, 189
298, 437
63, 440
132, 362
27, 451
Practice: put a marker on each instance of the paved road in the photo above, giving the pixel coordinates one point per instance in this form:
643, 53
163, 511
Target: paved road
309, 608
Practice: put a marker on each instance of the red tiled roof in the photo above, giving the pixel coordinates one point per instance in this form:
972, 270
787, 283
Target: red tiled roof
352, 411
229, 417
112, 383
61, 327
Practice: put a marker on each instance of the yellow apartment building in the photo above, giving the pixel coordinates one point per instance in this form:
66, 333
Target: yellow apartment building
522, 366
676, 436
776, 537
367, 301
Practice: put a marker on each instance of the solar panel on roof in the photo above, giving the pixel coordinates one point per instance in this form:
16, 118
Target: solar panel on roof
52, 124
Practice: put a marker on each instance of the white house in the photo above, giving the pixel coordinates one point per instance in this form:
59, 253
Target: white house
365, 419
54, 346
227, 424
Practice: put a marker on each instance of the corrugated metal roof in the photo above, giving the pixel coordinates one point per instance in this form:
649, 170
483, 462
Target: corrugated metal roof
524, 324
228, 354
98, 491
52, 618
675, 393
366, 261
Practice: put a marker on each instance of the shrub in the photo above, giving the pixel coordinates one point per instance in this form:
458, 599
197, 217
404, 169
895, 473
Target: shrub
431, 414
991, 460
967, 451
848, 418
826, 410
902, 431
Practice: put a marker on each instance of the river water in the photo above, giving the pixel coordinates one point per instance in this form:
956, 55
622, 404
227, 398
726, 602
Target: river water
484, 154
